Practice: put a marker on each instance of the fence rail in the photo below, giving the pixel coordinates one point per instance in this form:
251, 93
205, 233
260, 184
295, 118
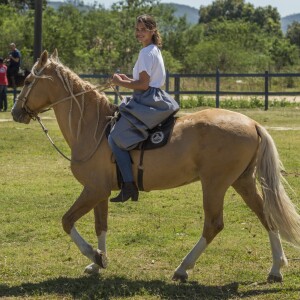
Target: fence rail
177, 91
176, 79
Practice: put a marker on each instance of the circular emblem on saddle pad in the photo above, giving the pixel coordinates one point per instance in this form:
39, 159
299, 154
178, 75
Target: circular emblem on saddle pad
157, 137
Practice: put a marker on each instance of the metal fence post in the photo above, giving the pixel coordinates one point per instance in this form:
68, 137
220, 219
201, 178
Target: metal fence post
167, 82
116, 95
177, 89
118, 89
217, 88
266, 90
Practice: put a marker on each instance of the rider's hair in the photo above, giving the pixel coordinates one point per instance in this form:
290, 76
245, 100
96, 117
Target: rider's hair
150, 24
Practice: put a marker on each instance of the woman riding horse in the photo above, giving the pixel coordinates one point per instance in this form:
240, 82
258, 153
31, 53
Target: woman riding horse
218, 147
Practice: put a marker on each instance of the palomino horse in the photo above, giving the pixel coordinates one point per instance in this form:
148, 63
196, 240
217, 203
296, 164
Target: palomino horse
218, 147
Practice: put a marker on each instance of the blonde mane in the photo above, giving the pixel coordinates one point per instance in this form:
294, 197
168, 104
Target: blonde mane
73, 85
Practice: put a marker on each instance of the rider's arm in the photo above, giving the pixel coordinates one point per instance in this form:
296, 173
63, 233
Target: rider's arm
140, 84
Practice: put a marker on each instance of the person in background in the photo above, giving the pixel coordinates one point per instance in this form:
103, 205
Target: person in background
146, 108
14, 59
3, 86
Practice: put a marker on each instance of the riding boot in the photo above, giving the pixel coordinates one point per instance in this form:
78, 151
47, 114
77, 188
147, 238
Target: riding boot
129, 190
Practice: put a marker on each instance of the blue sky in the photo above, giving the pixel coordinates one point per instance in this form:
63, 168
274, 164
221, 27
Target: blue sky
285, 7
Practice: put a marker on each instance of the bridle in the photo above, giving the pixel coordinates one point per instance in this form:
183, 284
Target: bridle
35, 115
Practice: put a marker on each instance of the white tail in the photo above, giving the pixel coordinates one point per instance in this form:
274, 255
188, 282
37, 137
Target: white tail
280, 212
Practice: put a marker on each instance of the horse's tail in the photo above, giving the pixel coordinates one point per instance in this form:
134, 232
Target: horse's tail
280, 212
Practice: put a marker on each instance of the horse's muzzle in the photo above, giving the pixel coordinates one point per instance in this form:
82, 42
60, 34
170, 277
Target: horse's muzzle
20, 115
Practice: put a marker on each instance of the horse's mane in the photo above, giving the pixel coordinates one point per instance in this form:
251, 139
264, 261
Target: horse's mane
71, 80
73, 84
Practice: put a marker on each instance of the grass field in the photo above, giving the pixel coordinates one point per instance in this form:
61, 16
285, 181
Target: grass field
146, 240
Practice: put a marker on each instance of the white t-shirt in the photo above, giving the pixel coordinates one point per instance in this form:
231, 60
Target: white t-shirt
151, 61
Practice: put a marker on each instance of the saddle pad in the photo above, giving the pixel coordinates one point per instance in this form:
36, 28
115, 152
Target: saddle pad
158, 136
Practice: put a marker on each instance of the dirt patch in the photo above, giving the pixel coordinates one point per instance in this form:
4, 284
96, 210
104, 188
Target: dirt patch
282, 128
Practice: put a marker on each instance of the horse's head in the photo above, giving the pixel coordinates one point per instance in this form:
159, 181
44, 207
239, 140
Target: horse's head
36, 92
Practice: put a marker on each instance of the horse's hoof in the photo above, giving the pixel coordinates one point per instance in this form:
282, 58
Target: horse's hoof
100, 259
274, 278
180, 277
92, 269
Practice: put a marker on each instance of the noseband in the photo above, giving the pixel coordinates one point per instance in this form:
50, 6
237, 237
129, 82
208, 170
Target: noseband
33, 115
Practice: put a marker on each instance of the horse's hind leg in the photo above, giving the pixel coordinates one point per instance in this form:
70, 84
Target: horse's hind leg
246, 187
213, 199
100, 214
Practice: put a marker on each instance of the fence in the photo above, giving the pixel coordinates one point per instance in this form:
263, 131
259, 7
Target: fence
219, 92
174, 80
177, 91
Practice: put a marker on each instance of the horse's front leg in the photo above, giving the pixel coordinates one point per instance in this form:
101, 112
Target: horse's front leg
88, 200
100, 213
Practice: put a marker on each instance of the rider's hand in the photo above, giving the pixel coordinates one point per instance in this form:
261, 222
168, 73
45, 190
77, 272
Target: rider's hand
116, 79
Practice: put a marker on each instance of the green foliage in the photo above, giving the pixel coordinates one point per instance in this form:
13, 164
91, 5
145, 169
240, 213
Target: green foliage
266, 18
21, 4
283, 54
235, 103
172, 65
293, 33
199, 101
232, 35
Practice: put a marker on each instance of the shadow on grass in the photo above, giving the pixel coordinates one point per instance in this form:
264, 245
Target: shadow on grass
95, 287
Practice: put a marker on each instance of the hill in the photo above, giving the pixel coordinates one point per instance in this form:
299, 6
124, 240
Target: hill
191, 13
286, 21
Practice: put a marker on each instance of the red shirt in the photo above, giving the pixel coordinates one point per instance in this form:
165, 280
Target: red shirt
3, 77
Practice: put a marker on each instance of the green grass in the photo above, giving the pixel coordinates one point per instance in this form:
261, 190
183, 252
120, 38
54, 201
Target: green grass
236, 102
146, 240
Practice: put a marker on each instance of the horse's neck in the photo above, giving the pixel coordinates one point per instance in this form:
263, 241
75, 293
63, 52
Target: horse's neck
82, 122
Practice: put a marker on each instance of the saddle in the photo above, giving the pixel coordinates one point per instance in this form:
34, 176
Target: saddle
158, 137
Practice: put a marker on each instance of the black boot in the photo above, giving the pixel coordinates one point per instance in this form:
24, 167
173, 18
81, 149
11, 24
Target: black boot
129, 190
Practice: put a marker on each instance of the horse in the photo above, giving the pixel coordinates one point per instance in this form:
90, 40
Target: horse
221, 149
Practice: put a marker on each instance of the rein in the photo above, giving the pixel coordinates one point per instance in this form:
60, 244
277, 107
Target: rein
34, 116
49, 138
45, 130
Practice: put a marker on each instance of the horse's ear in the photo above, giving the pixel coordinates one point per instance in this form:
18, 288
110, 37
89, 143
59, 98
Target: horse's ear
54, 55
43, 58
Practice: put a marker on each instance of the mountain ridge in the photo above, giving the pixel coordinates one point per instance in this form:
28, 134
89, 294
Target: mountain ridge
288, 20
191, 13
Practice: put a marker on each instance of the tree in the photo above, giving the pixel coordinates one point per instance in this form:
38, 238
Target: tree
12, 29
22, 4
243, 39
124, 14
267, 18
63, 30
225, 10
293, 33
283, 54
